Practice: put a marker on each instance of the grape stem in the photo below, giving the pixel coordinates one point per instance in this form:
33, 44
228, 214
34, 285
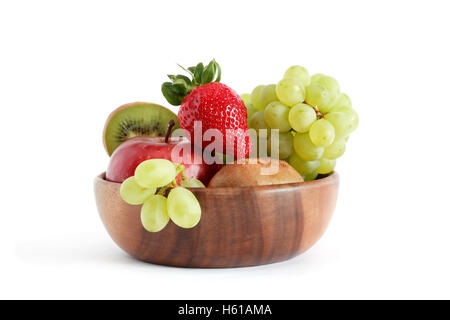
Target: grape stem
173, 183
180, 169
163, 190
319, 114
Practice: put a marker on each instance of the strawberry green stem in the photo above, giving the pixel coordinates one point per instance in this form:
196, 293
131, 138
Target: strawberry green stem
180, 85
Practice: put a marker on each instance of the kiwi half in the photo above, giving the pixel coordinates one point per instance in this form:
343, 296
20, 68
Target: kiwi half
136, 119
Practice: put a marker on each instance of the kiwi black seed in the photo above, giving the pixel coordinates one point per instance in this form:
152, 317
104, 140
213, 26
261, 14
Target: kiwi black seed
136, 119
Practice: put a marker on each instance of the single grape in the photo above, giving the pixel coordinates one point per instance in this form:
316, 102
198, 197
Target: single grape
303, 167
154, 216
311, 176
250, 111
246, 97
342, 122
326, 166
257, 121
322, 133
336, 149
132, 193
290, 91
183, 208
155, 173
192, 183
268, 95
299, 73
354, 119
315, 77
285, 147
332, 87
276, 116
345, 105
341, 109
318, 96
328, 82
301, 117
261, 146
343, 102
304, 147
256, 97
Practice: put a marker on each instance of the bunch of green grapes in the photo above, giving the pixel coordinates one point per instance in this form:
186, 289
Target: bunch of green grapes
148, 187
313, 116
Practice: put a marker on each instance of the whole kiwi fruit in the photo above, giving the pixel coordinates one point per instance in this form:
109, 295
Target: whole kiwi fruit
136, 119
252, 173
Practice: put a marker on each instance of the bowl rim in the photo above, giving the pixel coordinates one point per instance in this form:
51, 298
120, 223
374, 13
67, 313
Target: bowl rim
332, 178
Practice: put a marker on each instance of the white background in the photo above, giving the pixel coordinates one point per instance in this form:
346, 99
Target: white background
65, 65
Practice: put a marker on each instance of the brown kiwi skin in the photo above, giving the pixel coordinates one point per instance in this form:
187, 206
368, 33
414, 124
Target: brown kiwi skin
249, 174
127, 105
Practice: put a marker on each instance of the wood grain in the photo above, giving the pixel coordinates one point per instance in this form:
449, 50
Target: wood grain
240, 226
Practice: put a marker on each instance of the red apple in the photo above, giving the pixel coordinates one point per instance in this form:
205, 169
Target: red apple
132, 152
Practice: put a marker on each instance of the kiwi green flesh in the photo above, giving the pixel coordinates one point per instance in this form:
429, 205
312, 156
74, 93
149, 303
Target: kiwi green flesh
141, 119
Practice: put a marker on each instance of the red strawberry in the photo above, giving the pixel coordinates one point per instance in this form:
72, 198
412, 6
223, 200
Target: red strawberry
214, 104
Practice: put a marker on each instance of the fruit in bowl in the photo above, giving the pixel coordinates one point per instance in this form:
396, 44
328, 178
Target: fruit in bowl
131, 153
136, 119
257, 208
251, 173
152, 180
313, 110
140, 131
211, 104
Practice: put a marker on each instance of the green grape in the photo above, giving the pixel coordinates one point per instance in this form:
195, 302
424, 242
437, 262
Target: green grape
247, 98
256, 97
317, 95
345, 105
303, 167
354, 119
276, 116
154, 216
290, 91
268, 95
155, 173
311, 176
336, 149
192, 183
132, 193
250, 111
315, 77
342, 122
331, 86
341, 109
322, 133
261, 146
257, 121
285, 147
301, 117
342, 102
299, 73
304, 147
326, 166
328, 82
183, 207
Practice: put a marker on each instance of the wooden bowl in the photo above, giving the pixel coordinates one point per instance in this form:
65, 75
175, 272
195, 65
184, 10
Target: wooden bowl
240, 226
